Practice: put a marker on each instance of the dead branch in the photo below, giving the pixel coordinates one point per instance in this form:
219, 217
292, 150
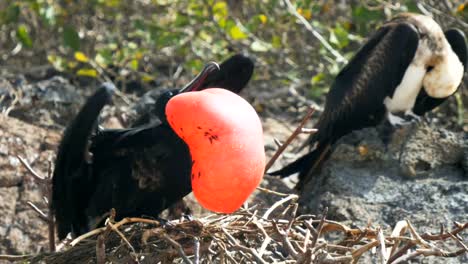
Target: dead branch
296, 132
178, 247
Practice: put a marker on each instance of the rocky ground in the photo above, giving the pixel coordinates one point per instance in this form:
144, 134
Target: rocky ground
421, 175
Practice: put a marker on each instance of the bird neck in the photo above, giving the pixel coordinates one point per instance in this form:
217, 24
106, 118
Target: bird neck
160, 106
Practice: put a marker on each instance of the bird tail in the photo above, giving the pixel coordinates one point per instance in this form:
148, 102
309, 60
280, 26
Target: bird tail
307, 164
71, 157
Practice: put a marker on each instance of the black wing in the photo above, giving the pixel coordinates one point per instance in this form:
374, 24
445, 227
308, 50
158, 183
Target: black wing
139, 171
71, 167
456, 39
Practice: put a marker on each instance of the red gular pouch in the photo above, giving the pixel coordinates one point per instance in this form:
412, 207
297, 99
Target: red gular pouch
225, 138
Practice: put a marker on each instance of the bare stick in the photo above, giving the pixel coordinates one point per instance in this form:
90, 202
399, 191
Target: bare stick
101, 249
31, 170
358, 252
296, 132
277, 142
417, 236
15, 257
308, 130
178, 247
399, 230
286, 243
44, 217
460, 242
458, 229
400, 252
250, 251
383, 248
196, 255
115, 229
320, 226
116, 225
272, 192
51, 218
278, 203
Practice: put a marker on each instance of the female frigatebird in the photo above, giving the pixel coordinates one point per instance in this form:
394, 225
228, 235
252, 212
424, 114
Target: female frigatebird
408, 66
209, 140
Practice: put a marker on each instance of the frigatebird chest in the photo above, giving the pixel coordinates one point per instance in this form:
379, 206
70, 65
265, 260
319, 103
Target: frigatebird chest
405, 93
162, 165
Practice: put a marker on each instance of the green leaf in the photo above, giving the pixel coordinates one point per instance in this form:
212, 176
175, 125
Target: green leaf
220, 10
362, 14
11, 14
205, 36
23, 35
71, 38
195, 65
339, 36
87, 72
276, 42
81, 57
317, 78
236, 33
134, 64
412, 6
110, 3
365, 18
147, 78
181, 20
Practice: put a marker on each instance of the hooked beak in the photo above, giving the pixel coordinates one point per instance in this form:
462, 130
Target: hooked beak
194, 85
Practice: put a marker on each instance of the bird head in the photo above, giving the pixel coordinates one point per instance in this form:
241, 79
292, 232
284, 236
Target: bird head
225, 138
444, 67
195, 84
234, 74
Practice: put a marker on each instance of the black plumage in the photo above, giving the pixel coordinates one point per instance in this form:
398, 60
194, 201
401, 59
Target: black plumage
360, 93
233, 75
138, 171
72, 167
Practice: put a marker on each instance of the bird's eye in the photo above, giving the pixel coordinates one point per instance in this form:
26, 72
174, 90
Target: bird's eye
429, 68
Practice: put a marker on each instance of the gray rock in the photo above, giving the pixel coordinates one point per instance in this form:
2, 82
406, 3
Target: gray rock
428, 148
417, 176
7, 207
21, 230
45, 103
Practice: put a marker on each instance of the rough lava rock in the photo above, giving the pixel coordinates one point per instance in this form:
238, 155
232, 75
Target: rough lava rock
21, 230
47, 103
420, 175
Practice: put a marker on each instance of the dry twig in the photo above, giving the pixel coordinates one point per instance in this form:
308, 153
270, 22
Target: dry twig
296, 132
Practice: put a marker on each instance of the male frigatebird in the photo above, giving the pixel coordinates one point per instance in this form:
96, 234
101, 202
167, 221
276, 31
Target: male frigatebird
233, 75
408, 66
209, 140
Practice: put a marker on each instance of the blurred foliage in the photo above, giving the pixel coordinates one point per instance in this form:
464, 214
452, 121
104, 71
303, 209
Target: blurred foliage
144, 40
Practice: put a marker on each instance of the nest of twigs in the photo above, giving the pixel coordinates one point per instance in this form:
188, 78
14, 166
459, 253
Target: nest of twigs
252, 235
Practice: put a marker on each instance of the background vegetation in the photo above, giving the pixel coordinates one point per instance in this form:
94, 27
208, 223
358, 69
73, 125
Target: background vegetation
298, 46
